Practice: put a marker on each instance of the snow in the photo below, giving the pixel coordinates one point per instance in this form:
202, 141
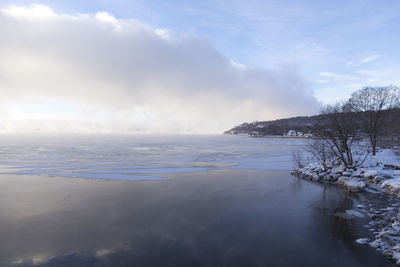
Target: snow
352, 184
392, 185
396, 256
362, 241
347, 173
355, 185
385, 156
370, 174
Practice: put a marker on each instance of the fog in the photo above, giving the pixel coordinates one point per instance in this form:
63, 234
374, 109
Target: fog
96, 73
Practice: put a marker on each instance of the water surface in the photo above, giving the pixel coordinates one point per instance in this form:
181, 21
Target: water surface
244, 213
141, 157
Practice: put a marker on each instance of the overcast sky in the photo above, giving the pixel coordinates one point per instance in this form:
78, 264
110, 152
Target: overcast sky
186, 66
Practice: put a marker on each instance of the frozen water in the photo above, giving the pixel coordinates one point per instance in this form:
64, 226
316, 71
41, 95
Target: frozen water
141, 157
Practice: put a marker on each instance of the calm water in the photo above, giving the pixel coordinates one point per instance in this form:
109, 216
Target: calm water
222, 202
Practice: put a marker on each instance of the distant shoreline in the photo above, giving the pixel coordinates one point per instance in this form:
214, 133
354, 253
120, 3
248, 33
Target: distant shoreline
269, 136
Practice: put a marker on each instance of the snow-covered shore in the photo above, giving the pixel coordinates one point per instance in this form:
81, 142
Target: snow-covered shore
377, 178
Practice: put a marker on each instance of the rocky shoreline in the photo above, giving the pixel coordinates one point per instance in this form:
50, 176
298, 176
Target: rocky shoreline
377, 184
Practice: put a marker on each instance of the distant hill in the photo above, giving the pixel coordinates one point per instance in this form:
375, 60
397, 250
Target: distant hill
302, 124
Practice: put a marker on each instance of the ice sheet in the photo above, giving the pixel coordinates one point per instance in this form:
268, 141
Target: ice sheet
142, 157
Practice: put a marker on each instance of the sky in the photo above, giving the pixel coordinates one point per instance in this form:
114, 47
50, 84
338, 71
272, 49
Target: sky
190, 67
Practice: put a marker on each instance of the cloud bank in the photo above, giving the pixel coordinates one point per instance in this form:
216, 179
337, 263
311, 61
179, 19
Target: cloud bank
97, 73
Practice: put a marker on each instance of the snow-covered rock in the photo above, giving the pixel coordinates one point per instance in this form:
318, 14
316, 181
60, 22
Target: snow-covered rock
362, 241
338, 169
376, 243
357, 174
334, 176
328, 179
315, 177
396, 257
392, 185
322, 174
378, 179
355, 185
352, 184
370, 174
341, 180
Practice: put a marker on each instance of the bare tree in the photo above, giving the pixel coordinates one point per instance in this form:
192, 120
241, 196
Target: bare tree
339, 131
374, 106
319, 150
298, 158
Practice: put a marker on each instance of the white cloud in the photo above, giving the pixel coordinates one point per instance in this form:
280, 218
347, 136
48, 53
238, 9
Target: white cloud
35, 11
328, 74
363, 61
370, 59
334, 77
163, 33
339, 86
108, 18
136, 77
237, 65
369, 72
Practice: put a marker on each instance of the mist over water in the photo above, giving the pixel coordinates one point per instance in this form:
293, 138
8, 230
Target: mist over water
141, 157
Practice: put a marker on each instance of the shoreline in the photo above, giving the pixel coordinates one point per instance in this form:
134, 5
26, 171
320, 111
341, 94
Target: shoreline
269, 136
377, 179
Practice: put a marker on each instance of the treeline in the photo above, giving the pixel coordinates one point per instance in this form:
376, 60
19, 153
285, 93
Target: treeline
277, 127
348, 131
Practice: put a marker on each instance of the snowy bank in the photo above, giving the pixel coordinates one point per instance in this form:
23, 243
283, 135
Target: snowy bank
380, 171
378, 176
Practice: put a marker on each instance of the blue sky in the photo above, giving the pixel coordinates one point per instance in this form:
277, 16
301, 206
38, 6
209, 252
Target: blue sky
336, 47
